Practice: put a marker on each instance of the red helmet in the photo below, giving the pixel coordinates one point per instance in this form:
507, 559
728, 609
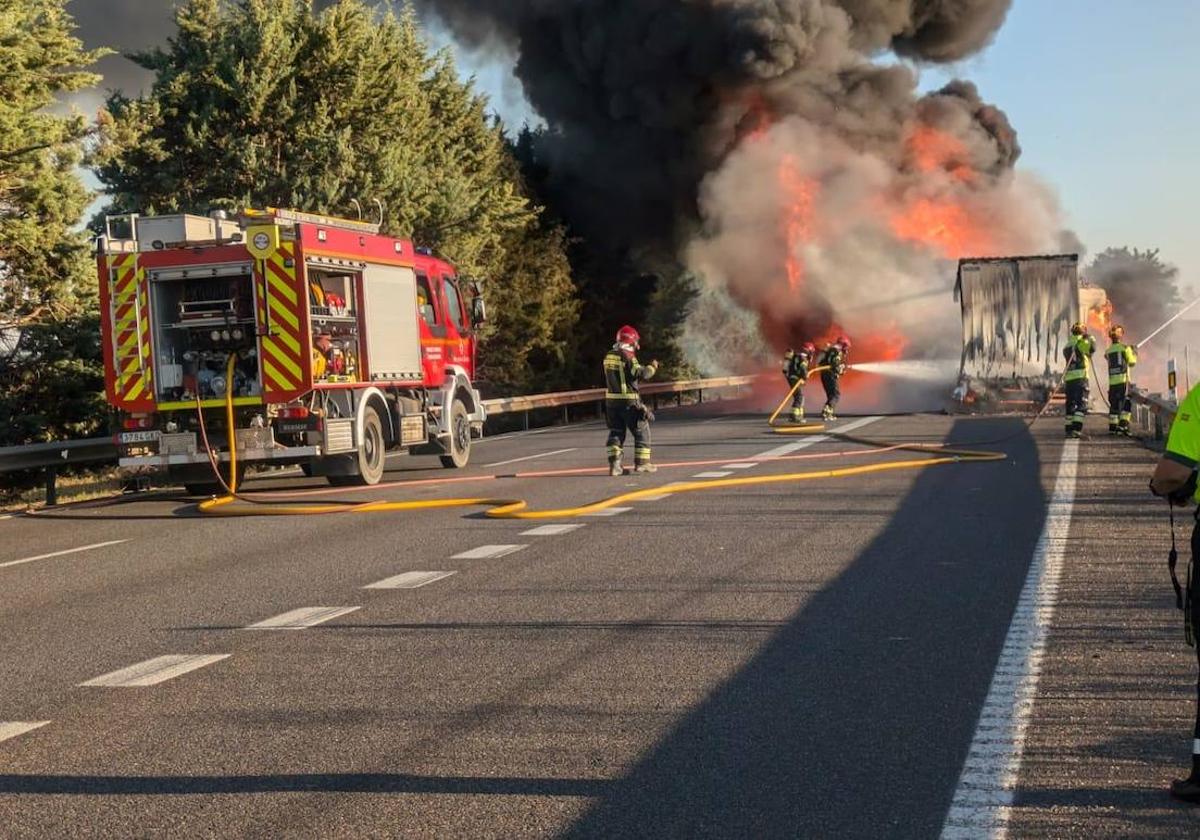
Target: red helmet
628, 335
808, 349
844, 341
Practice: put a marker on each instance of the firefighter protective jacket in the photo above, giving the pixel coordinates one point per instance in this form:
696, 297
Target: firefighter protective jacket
795, 366
1121, 360
834, 359
1078, 354
623, 372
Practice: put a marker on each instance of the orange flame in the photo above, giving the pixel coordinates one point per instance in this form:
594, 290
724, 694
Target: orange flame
1099, 317
943, 226
931, 149
799, 192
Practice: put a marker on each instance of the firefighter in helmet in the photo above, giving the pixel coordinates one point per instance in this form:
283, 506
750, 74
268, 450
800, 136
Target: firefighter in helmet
1121, 359
796, 365
623, 405
833, 357
1078, 353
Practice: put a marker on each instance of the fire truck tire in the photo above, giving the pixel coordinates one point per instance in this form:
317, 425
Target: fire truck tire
372, 455
460, 438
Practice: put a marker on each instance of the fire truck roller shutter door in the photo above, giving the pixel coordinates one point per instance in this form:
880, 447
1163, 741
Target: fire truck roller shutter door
390, 310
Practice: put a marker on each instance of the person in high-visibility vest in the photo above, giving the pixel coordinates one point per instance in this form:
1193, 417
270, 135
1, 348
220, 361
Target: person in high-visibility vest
833, 358
1175, 480
623, 405
1121, 360
1078, 353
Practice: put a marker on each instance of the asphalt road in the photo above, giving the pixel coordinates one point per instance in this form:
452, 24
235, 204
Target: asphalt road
805, 659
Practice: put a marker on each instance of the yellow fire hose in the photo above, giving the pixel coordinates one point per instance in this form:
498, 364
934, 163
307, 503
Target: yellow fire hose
498, 508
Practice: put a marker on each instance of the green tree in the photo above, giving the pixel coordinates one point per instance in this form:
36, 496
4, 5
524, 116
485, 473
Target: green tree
49, 359
1143, 289
269, 103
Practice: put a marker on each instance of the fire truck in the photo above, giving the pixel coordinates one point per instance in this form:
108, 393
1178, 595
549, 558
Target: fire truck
332, 343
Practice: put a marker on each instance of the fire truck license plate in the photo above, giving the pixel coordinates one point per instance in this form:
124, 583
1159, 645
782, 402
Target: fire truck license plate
140, 437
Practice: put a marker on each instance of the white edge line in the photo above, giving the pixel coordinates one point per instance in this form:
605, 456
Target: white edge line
62, 553
15, 728
984, 796
532, 457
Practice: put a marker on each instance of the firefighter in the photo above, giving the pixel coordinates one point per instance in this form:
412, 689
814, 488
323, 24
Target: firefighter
1078, 353
623, 405
1121, 359
1175, 479
796, 364
834, 358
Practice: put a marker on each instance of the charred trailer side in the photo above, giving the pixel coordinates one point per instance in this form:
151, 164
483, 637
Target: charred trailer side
335, 345
1016, 316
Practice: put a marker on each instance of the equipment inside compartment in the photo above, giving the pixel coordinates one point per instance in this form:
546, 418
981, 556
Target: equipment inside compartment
200, 322
335, 333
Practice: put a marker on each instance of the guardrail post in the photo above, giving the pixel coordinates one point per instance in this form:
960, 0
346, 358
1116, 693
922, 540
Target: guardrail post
51, 486
526, 415
699, 396
567, 414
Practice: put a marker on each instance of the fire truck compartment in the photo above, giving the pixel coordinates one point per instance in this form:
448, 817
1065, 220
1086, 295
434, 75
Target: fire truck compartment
393, 338
201, 315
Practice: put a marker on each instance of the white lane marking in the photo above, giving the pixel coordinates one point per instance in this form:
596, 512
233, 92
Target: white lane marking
61, 553
612, 511
4, 516
301, 618
532, 457
409, 580
983, 800
154, 671
713, 474
13, 728
740, 465
789, 448
657, 497
550, 530
489, 552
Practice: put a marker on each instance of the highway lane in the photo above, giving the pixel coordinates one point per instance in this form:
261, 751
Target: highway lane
777, 660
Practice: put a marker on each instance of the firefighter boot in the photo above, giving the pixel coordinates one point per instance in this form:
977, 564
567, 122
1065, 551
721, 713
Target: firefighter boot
797, 415
827, 413
614, 467
1186, 789
645, 467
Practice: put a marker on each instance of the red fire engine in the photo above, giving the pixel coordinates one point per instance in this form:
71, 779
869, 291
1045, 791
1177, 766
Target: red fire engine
343, 344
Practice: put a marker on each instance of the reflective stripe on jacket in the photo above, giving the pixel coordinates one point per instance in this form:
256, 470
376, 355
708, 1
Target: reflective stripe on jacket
1121, 360
623, 372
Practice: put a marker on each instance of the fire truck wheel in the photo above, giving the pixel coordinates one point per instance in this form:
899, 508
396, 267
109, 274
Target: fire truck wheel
460, 438
372, 452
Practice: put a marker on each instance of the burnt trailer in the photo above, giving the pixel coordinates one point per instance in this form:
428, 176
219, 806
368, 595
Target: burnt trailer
1016, 316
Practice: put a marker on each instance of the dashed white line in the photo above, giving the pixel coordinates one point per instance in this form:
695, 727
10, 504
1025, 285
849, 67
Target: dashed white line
301, 618
983, 800
789, 448
13, 728
62, 553
154, 671
489, 552
532, 457
612, 511
713, 474
740, 465
657, 497
550, 530
409, 580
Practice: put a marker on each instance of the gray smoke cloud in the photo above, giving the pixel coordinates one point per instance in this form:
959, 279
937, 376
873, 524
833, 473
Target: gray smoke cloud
773, 148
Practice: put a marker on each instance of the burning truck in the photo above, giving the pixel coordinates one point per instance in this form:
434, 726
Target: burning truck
1016, 315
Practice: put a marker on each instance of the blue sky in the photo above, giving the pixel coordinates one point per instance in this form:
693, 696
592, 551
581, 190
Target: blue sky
1105, 95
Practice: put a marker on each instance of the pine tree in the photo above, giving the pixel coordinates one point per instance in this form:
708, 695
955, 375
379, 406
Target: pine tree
49, 372
268, 103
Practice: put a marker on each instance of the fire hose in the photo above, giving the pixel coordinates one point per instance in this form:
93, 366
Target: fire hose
502, 508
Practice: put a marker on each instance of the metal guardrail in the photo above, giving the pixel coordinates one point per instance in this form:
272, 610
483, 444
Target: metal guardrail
1152, 412
52, 457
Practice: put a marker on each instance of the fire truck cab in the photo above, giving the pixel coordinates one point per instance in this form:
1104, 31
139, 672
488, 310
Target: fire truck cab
334, 344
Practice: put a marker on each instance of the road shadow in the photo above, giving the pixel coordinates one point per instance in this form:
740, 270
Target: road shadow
854, 719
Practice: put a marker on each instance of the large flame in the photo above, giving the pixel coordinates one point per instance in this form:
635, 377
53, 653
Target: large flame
931, 150
943, 225
799, 193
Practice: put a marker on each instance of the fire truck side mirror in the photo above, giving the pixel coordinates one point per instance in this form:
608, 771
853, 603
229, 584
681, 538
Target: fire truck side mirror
478, 311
